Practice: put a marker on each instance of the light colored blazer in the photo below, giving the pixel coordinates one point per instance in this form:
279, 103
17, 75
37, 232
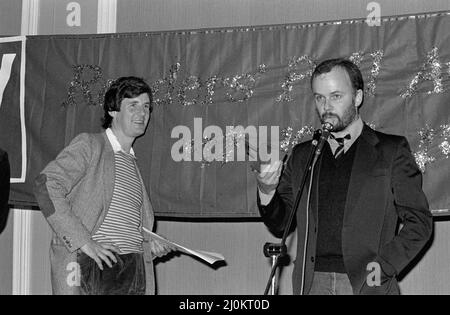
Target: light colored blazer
74, 193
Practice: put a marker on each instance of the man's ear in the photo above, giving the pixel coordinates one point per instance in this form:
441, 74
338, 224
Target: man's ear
112, 114
359, 98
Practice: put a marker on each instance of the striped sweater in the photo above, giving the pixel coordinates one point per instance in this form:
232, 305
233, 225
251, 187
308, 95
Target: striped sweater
122, 224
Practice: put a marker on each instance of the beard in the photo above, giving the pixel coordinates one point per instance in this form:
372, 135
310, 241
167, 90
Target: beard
340, 123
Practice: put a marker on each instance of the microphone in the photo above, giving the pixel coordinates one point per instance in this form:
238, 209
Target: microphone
326, 130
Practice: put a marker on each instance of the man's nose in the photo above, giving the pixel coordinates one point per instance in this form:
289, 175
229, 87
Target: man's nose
141, 110
327, 104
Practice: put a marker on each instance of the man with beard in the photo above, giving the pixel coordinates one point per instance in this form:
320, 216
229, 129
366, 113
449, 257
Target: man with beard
365, 183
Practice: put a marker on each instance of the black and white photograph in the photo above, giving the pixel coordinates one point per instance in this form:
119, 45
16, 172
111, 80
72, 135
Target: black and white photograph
224, 152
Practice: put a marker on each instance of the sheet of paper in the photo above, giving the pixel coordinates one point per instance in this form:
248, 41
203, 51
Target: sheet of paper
209, 257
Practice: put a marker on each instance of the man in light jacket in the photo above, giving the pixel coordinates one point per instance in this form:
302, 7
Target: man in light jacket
94, 199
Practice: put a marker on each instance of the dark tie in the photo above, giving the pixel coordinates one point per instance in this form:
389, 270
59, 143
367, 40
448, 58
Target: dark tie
340, 148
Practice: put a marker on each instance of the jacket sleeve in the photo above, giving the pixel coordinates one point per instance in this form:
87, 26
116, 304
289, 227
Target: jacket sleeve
276, 213
4, 190
412, 209
53, 186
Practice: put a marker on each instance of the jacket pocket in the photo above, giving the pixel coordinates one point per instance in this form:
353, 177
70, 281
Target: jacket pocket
379, 172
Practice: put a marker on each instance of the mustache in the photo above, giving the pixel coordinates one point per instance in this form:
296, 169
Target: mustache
328, 115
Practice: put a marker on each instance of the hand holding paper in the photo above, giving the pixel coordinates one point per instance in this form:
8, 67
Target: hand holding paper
209, 257
160, 249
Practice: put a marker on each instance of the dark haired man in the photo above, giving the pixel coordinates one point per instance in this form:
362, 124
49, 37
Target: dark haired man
93, 197
364, 183
4, 189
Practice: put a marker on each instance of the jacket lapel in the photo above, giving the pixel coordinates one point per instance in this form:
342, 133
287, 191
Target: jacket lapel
108, 173
365, 157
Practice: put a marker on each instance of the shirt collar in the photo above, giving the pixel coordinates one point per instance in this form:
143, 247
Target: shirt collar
354, 129
115, 142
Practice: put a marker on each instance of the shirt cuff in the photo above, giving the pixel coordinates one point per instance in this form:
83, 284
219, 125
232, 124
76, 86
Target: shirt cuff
265, 198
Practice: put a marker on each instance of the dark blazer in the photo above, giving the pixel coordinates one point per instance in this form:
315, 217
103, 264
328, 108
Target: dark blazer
4, 189
385, 188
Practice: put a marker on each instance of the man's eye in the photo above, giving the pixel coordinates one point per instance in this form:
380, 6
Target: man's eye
336, 97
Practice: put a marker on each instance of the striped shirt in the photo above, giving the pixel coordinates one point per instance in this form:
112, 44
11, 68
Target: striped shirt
122, 225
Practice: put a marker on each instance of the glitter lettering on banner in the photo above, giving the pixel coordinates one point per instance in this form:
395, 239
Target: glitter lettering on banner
377, 57
427, 153
89, 80
431, 70
294, 76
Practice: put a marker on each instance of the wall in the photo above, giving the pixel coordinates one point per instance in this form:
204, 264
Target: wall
158, 15
10, 12
246, 269
6, 262
55, 13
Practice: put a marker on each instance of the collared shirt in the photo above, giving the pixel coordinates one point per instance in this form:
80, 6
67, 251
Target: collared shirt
122, 226
354, 129
115, 142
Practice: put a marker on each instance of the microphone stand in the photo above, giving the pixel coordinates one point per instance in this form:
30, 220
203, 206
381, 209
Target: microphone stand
278, 250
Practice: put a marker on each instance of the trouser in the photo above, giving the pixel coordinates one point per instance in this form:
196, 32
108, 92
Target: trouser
126, 277
330, 283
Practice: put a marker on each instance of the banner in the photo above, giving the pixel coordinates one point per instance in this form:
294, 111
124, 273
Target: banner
215, 88
12, 108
